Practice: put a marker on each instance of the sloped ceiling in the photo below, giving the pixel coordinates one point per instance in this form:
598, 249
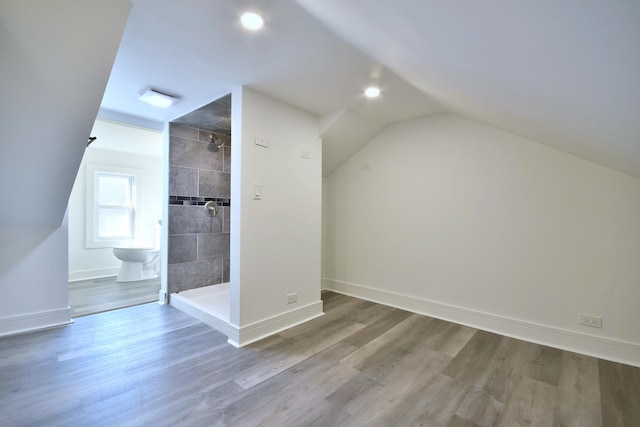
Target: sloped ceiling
347, 132
562, 72
197, 50
56, 58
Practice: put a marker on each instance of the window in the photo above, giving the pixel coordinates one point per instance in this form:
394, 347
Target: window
111, 206
115, 207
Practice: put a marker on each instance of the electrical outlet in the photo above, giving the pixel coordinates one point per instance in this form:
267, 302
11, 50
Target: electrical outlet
262, 141
593, 321
291, 298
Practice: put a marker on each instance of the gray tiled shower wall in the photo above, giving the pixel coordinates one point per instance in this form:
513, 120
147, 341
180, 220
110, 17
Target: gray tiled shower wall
198, 244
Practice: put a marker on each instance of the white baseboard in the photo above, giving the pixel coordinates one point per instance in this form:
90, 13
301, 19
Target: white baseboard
579, 342
98, 273
245, 335
241, 336
163, 297
34, 321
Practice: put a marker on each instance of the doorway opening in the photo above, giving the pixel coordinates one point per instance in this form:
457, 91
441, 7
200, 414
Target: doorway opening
116, 202
199, 232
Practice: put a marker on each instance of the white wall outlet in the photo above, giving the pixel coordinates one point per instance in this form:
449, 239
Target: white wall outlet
262, 141
593, 321
291, 298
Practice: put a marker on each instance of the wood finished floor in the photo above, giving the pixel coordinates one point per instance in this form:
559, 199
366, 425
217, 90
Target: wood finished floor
360, 364
104, 294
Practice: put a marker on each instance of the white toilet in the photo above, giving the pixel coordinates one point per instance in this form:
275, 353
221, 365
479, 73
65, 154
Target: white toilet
137, 263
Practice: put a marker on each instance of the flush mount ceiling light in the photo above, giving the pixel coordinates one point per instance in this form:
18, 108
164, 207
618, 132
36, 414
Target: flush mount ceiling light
158, 99
372, 92
252, 21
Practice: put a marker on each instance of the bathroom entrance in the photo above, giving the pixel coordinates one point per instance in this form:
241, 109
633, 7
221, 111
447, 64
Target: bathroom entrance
199, 212
115, 212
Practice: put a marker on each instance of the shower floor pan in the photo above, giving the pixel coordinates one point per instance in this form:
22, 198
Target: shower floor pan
209, 304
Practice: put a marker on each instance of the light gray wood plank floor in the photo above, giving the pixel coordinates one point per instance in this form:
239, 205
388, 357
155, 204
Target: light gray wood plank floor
360, 364
104, 294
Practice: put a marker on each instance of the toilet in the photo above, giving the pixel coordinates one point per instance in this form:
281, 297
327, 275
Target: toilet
140, 263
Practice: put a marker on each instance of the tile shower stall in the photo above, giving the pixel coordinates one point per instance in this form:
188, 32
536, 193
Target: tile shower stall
198, 246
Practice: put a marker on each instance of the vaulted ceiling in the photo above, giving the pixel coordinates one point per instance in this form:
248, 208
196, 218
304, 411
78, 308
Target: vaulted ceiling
54, 65
561, 72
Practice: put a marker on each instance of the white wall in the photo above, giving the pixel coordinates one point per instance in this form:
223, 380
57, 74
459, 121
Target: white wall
118, 145
466, 222
56, 59
276, 241
33, 278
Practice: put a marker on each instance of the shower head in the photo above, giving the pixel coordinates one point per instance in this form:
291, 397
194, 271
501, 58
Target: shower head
215, 143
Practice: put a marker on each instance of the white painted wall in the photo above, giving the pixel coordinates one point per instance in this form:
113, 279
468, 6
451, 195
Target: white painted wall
466, 222
276, 241
33, 278
120, 146
56, 59
126, 138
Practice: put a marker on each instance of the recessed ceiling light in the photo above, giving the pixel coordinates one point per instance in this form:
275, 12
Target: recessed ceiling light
158, 99
372, 92
252, 21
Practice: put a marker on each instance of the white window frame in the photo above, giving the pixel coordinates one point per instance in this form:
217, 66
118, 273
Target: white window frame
92, 239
